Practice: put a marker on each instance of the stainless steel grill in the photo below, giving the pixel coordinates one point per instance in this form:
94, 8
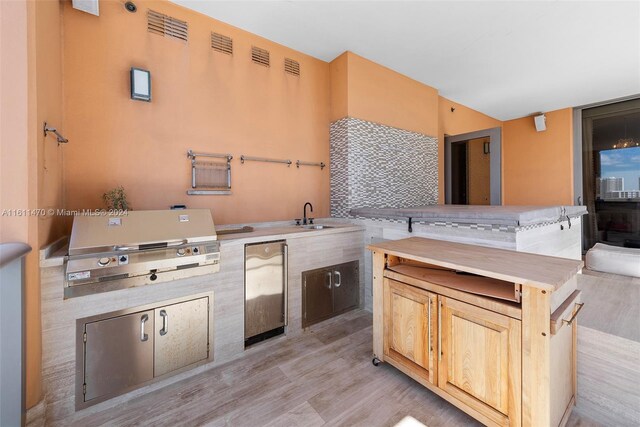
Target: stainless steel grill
108, 252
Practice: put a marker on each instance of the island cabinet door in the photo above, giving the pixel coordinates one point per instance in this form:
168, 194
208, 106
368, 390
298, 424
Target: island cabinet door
410, 329
479, 361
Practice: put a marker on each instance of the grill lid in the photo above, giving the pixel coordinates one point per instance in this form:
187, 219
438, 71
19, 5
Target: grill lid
140, 230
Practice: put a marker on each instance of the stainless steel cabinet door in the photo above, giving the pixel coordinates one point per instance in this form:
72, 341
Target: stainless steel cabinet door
118, 354
317, 302
346, 286
181, 335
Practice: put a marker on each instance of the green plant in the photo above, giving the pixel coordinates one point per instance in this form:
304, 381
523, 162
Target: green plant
116, 199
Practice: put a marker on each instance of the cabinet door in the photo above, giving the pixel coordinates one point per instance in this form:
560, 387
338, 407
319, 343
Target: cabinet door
410, 328
118, 354
480, 360
346, 286
181, 335
317, 302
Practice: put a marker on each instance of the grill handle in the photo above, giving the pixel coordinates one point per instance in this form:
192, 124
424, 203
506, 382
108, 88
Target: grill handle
151, 245
125, 248
177, 243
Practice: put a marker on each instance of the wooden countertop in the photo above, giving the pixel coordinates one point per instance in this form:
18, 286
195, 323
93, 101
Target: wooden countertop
539, 271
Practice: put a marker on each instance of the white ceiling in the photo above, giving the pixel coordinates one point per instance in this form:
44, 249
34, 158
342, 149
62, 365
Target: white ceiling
507, 59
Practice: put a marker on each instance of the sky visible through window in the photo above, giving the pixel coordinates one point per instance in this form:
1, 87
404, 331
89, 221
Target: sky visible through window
622, 163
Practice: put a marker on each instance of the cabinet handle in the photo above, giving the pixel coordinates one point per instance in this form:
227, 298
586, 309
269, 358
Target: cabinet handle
440, 332
143, 320
339, 281
575, 314
165, 322
329, 275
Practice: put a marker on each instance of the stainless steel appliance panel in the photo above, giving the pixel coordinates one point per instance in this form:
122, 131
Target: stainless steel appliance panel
181, 335
346, 289
265, 287
118, 353
95, 233
317, 296
122, 248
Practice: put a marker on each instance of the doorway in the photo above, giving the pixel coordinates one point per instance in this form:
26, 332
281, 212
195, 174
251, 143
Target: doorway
472, 168
459, 178
611, 174
470, 172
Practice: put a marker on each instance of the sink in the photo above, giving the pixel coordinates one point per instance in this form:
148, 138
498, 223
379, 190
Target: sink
316, 227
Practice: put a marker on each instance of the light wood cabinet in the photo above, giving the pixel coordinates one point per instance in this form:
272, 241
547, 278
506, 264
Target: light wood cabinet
491, 331
471, 353
410, 328
480, 359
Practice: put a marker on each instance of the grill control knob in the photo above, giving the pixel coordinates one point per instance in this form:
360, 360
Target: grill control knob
180, 252
104, 261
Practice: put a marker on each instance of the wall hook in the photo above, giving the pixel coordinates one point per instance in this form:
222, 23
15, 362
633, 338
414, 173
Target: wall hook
61, 139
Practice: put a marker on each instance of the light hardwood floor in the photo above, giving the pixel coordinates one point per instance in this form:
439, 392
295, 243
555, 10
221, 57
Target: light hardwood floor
323, 377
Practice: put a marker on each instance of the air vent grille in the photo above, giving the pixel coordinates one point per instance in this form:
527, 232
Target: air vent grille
291, 66
222, 43
164, 25
260, 56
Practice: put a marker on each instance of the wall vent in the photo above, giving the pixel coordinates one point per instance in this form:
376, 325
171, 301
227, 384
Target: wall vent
260, 56
164, 25
292, 67
222, 43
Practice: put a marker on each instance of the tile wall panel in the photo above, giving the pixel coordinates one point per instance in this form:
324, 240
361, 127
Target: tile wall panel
377, 166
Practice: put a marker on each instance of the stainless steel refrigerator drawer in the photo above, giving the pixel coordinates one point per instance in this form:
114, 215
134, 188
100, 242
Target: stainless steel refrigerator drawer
265, 287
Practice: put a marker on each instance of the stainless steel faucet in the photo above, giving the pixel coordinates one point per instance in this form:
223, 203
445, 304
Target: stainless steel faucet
304, 213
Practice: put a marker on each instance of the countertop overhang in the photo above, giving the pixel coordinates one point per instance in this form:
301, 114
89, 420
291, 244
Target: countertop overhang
53, 255
539, 271
518, 216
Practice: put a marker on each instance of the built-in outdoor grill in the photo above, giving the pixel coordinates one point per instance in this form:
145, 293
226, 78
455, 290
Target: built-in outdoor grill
108, 252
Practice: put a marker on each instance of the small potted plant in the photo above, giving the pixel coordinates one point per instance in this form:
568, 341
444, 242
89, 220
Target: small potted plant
116, 199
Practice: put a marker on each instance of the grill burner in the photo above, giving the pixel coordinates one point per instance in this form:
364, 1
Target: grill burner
139, 248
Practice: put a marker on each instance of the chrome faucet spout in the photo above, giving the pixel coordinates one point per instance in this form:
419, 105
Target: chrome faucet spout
304, 212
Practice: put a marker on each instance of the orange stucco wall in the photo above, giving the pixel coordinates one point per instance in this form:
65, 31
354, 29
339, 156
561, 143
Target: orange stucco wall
462, 120
14, 149
339, 75
378, 94
49, 99
538, 166
30, 166
202, 100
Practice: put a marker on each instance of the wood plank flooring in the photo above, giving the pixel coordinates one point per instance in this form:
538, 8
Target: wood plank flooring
612, 303
321, 378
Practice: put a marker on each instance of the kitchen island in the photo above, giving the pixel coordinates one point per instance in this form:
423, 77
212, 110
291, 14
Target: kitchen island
491, 331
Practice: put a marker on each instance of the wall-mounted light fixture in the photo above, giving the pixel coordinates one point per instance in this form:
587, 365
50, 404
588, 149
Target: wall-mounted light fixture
540, 121
486, 148
140, 84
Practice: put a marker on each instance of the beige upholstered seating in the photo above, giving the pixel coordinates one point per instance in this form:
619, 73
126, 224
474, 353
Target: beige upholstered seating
614, 259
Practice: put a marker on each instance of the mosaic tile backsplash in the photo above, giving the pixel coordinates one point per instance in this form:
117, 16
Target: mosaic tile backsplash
378, 166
